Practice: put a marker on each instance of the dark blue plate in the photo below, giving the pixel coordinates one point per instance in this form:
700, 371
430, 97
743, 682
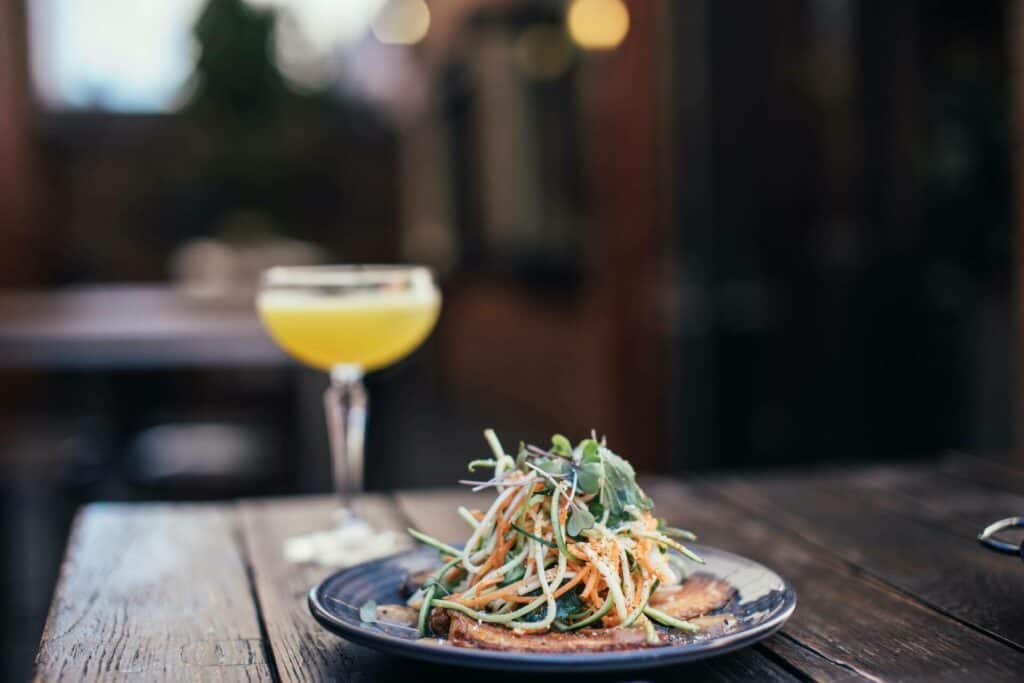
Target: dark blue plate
763, 603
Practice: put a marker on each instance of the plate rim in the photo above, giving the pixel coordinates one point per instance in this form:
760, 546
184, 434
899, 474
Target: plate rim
550, 662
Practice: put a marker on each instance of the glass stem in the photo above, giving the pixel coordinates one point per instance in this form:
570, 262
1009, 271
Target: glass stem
345, 406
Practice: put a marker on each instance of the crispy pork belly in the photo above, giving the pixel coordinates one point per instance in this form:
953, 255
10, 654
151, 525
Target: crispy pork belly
698, 595
440, 620
464, 631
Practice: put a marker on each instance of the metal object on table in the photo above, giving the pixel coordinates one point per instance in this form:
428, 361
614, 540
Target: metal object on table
989, 539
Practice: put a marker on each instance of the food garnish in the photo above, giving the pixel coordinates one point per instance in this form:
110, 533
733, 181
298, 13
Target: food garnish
570, 542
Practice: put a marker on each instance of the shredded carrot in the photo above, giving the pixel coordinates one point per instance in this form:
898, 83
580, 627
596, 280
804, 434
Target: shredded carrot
573, 567
479, 600
503, 544
497, 556
484, 568
486, 583
453, 574
591, 594
493, 595
508, 592
500, 552
520, 599
572, 582
591, 584
641, 556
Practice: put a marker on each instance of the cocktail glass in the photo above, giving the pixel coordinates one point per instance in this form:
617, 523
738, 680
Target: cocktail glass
348, 320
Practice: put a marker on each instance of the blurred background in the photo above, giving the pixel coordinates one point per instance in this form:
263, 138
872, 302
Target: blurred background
726, 234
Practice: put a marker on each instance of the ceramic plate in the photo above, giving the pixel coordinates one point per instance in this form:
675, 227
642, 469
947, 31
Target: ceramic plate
763, 603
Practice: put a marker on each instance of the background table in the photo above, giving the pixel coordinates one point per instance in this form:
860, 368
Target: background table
892, 584
128, 326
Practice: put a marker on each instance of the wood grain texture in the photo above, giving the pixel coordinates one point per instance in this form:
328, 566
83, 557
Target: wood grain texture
997, 474
942, 568
924, 493
810, 664
846, 624
891, 582
153, 592
302, 649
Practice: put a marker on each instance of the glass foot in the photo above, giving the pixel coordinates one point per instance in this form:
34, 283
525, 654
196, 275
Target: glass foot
349, 542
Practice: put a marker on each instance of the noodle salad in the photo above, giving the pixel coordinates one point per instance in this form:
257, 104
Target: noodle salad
569, 542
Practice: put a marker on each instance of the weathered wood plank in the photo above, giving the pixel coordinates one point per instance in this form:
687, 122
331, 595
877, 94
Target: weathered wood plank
153, 592
434, 512
854, 624
1003, 475
943, 568
170, 592
302, 649
815, 666
923, 492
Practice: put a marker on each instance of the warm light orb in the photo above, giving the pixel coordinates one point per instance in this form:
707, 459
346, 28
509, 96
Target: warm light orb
402, 22
598, 24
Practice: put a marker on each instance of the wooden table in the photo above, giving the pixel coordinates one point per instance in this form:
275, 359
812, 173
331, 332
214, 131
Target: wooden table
892, 583
119, 327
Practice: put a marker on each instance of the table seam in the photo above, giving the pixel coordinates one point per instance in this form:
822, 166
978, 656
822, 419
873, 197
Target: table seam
238, 533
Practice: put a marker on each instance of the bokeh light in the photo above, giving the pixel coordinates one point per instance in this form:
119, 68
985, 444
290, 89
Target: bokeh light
309, 34
402, 22
598, 24
138, 57
114, 55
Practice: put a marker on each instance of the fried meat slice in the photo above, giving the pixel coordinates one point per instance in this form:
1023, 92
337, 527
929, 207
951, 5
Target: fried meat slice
464, 631
700, 594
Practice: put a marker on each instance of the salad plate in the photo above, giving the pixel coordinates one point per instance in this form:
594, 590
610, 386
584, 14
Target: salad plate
567, 569
763, 603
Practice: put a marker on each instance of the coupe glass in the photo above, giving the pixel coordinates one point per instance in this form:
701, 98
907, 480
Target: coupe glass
348, 320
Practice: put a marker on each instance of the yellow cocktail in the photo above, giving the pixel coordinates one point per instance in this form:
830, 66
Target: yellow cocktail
348, 320
372, 329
